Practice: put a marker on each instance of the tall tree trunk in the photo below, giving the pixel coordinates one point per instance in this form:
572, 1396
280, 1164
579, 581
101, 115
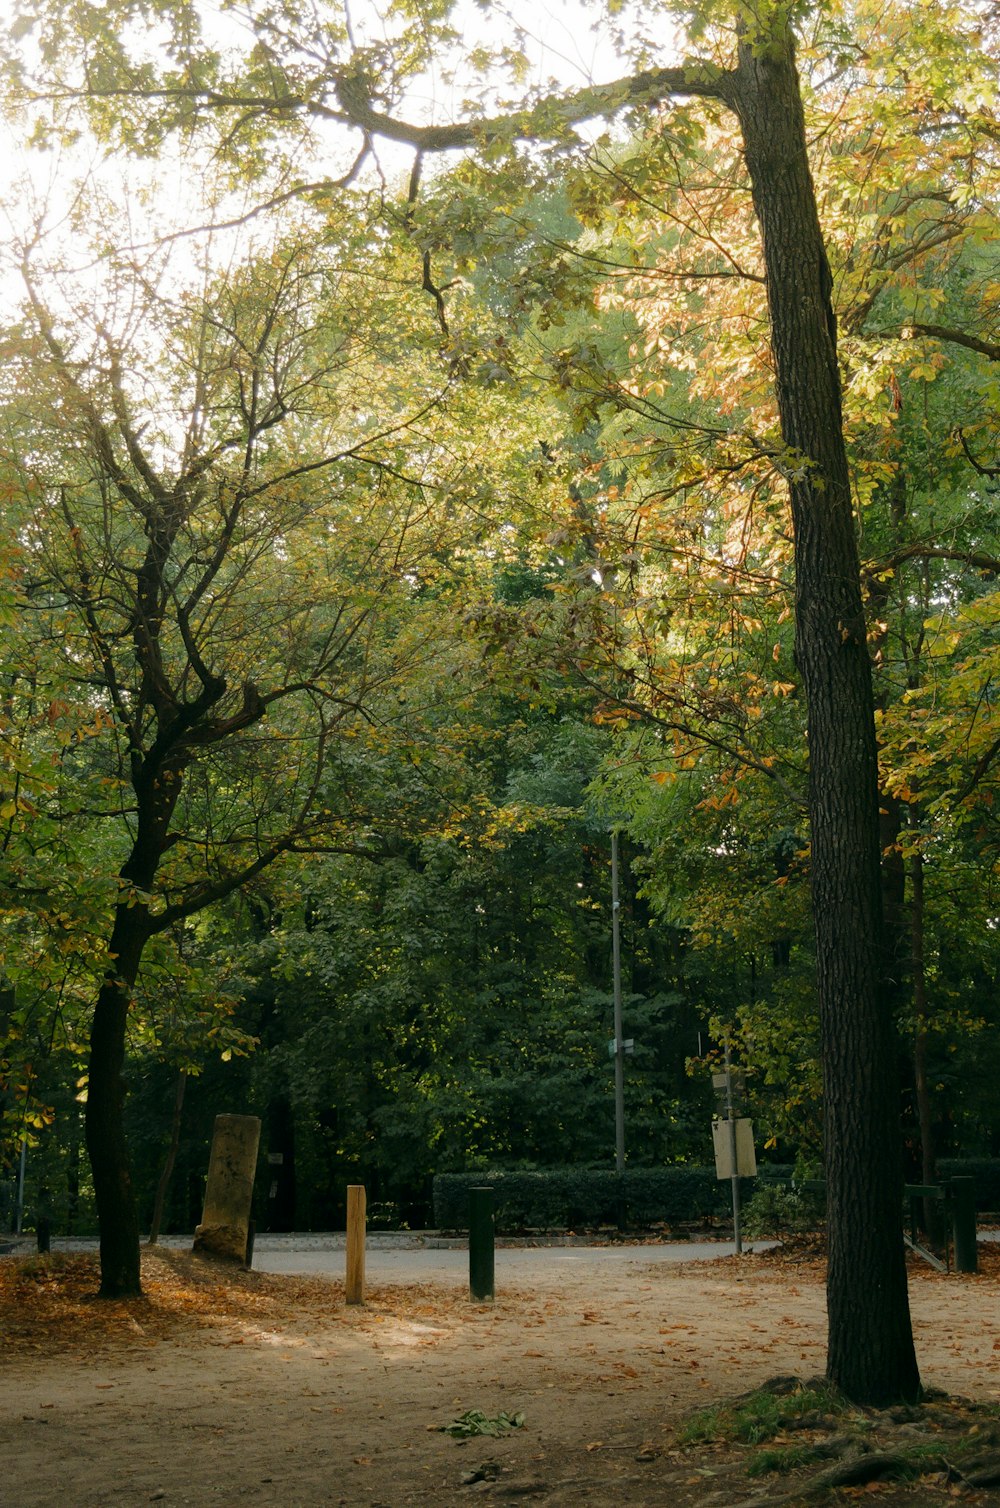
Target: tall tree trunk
928, 1153
73, 1171
870, 1355
167, 1171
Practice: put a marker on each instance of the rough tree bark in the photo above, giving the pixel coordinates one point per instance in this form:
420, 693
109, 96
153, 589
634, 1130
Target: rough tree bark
117, 1215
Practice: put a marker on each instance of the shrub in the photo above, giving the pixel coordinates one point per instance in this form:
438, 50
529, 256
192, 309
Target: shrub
561, 1198
775, 1210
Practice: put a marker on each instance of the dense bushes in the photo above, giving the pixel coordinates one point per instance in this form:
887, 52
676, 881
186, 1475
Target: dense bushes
564, 1198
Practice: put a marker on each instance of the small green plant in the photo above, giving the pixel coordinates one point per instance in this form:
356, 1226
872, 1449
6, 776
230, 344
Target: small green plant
475, 1422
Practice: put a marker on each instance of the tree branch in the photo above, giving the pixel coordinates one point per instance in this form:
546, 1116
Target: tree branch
986, 348
546, 118
980, 768
979, 560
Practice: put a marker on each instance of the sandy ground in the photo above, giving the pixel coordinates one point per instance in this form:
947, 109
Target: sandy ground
268, 1389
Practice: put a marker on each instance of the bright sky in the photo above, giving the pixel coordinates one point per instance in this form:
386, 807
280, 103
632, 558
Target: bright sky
566, 41
558, 38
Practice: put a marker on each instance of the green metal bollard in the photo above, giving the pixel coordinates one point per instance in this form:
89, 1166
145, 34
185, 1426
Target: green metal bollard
481, 1287
963, 1215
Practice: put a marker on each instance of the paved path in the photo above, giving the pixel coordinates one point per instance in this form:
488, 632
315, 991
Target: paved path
518, 1266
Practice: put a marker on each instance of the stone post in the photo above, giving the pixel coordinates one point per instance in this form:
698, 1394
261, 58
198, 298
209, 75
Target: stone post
225, 1216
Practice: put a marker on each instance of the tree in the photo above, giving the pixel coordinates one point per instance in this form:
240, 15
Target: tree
220, 548
905, 230
871, 1352
451, 1007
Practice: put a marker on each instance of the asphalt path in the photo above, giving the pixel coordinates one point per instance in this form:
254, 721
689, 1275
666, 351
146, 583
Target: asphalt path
518, 1266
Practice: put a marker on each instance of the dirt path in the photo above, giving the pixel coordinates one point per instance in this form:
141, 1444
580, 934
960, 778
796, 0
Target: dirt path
269, 1390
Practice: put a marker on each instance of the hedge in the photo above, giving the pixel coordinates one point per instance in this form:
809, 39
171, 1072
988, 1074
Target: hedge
564, 1198
567, 1198
986, 1172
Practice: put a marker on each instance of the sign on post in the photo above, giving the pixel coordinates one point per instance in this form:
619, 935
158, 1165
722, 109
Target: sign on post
732, 1137
723, 1138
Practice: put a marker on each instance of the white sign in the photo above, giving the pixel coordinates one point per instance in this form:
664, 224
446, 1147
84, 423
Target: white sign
746, 1158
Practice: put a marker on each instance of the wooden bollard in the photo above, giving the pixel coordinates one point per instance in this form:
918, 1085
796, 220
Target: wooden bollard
355, 1284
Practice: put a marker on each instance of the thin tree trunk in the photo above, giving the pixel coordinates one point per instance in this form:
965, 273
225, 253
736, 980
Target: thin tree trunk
928, 1159
117, 1215
870, 1353
928, 1152
167, 1171
73, 1171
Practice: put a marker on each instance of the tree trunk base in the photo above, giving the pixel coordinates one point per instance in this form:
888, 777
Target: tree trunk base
223, 1243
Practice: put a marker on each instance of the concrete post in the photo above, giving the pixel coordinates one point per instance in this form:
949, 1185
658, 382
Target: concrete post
225, 1217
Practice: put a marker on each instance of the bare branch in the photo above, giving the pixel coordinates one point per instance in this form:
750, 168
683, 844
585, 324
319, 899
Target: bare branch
979, 560
987, 348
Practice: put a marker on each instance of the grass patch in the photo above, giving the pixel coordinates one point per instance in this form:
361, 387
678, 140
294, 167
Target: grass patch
782, 1459
821, 1444
759, 1416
